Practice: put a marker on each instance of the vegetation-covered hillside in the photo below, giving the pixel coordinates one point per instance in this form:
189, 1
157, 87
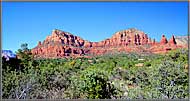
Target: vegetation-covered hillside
119, 76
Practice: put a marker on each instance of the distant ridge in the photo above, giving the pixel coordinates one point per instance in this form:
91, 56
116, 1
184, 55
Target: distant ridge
8, 54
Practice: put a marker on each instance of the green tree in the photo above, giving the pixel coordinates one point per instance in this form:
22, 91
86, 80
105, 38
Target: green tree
25, 55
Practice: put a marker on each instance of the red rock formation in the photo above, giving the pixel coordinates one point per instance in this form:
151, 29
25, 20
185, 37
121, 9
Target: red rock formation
163, 40
172, 40
39, 43
63, 44
154, 42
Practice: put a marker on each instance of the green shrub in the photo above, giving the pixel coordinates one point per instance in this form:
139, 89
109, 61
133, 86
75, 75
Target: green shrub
112, 76
93, 85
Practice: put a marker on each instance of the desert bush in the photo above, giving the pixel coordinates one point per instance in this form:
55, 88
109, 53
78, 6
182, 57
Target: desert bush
171, 81
91, 84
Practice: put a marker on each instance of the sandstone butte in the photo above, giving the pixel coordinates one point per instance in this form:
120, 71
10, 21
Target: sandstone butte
62, 44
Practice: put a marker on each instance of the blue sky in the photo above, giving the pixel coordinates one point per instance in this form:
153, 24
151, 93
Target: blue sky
30, 22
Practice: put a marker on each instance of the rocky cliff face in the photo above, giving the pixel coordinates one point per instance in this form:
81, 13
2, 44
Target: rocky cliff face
63, 44
172, 41
60, 44
163, 40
